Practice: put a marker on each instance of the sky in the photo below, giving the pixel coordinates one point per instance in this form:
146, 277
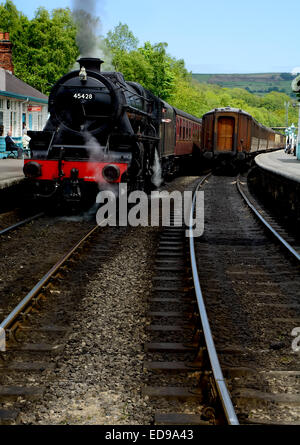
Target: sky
212, 36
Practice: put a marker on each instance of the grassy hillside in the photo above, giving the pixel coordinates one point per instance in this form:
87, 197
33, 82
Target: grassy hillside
197, 98
258, 84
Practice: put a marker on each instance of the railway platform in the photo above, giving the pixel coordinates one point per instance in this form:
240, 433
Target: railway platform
280, 163
11, 172
277, 179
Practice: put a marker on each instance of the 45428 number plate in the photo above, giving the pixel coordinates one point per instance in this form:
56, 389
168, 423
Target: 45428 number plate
85, 96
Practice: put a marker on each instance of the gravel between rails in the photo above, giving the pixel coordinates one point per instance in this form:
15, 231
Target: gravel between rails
100, 371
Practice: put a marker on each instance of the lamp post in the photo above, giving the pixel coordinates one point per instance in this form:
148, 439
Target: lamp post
286, 132
298, 138
293, 128
298, 135
296, 89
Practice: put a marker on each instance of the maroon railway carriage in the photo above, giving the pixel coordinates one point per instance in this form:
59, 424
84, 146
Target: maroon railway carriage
231, 134
180, 140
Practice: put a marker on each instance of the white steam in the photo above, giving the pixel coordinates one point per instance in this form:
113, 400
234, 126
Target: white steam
97, 153
95, 150
156, 178
89, 39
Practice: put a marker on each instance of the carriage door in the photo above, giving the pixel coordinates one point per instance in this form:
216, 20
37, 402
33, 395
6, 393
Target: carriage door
243, 136
225, 131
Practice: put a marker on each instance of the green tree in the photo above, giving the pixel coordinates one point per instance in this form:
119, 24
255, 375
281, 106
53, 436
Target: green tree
44, 48
121, 39
149, 65
162, 83
10, 18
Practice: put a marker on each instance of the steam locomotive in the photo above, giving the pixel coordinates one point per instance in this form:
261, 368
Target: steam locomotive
231, 136
102, 131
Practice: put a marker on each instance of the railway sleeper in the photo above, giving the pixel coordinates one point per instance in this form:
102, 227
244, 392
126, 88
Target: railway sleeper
8, 417
13, 392
179, 419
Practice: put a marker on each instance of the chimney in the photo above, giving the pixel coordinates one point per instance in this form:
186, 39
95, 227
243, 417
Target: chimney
6, 52
90, 63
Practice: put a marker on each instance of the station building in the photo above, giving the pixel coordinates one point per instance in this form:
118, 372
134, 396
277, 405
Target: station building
20, 104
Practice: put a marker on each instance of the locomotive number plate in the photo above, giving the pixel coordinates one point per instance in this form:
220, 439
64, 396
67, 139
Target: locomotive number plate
86, 96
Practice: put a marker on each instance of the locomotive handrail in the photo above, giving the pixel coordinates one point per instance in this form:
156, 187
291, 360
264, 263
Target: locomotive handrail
136, 110
213, 357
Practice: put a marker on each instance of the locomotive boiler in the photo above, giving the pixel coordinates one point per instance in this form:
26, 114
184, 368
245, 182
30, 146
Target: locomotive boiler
103, 131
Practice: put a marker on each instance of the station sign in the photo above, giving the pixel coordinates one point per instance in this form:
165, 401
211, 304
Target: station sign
34, 108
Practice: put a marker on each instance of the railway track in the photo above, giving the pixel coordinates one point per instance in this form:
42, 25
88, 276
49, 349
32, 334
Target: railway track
14, 226
36, 331
34, 343
289, 243
23, 309
29, 252
251, 288
183, 366
34, 366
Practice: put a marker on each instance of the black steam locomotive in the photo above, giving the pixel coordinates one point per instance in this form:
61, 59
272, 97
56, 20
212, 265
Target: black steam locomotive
103, 131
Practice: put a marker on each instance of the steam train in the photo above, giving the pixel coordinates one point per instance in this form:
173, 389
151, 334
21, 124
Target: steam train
231, 136
102, 131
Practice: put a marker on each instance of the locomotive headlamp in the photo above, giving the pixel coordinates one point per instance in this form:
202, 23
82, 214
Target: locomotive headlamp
82, 74
32, 170
111, 173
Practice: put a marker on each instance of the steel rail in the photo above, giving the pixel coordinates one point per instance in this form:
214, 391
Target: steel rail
213, 357
20, 223
13, 316
262, 219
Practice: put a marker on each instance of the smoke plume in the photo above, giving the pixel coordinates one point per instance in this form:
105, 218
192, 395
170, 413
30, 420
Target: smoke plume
89, 39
